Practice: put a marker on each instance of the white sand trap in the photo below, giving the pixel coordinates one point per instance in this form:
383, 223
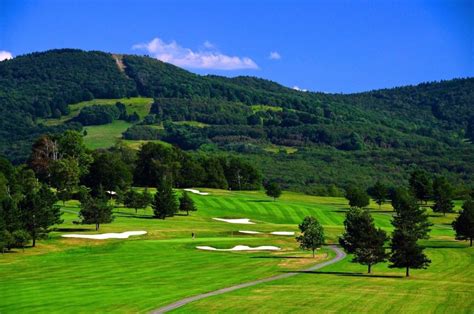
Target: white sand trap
285, 233
105, 236
243, 221
249, 232
196, 192
241, 248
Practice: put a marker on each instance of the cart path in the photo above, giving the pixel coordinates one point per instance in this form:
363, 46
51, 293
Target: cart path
339, 256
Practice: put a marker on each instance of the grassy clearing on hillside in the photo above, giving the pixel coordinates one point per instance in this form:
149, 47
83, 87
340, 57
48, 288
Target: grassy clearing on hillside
137, 144
143, 273
106, 135
140, 105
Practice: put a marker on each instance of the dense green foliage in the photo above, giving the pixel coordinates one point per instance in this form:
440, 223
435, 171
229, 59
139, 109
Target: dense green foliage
464, 223
338, 139
312, 234
363, 239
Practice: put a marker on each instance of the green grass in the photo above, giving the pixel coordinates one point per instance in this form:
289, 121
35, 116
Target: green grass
143, 273
106, 135
256, 108
140, 105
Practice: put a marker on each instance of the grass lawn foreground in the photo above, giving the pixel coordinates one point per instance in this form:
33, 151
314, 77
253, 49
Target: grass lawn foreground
140, 274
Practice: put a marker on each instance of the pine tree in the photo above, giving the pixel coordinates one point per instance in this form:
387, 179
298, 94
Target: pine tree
411, 224
164, 203
379, 192
464, 223
442, 194
363, 239
186, 203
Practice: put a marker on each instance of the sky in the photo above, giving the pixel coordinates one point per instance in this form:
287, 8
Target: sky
329, 46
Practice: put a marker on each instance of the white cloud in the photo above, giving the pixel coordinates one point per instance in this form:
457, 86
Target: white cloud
173, 53
299, 89
274, 55
5, 55
207, 44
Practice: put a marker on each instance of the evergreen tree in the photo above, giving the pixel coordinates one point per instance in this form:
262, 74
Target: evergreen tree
379, 192
357, 197
464, 223
411, 224
442, 194
420, 185
38, 212
96, 210
363, 239
273, 189
312, 234
164, 203
186, 203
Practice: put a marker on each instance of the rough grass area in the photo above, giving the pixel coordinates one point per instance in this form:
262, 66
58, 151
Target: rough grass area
106, 135
142, 273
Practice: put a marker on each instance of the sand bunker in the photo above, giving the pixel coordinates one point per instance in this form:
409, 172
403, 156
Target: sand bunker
196, 192
241, 248
249, 232
243, 221
105, 236
287, 233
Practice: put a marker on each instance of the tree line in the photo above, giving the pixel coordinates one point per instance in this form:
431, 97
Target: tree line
61, 168
367, 243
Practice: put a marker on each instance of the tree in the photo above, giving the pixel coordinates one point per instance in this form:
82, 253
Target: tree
136, 200
65, 175
442, 194
312, 236
379, 192
20, 238
164, 203
420, 185
411, 224
38, 212
6, 240
273, 189
357, 197
95, 210
464, 223
362, 238
186, 203
109, 171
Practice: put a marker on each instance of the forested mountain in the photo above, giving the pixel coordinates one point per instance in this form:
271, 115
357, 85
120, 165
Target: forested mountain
308, 141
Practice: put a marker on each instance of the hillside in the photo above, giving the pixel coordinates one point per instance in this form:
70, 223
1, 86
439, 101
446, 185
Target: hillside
313, 142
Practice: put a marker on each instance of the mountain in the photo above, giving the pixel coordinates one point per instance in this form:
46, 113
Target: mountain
314, 142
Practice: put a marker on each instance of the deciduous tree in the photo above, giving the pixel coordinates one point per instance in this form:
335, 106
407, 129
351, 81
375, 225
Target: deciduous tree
312, 234
273, 189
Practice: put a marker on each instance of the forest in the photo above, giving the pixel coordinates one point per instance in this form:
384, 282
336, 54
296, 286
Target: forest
311, 142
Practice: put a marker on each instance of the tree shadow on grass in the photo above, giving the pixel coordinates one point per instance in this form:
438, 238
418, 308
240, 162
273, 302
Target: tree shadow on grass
126, 215
346, 274
72, 229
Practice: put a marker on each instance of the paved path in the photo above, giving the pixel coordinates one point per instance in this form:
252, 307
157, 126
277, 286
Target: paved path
339, 256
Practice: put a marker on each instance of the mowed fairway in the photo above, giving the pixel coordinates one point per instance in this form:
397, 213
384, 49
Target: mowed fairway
143, 273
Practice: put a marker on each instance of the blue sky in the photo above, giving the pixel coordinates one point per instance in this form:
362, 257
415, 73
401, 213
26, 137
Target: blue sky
330, 46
